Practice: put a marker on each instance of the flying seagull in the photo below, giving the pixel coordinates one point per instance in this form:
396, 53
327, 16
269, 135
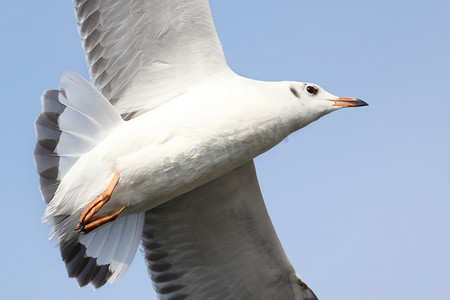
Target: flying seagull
159, 150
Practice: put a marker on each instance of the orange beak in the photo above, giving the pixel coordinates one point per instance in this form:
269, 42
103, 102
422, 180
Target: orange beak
348, 102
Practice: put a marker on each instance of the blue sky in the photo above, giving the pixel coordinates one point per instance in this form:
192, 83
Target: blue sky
360, 199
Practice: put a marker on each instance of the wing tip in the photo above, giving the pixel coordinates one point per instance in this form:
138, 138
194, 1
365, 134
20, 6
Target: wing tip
308, 294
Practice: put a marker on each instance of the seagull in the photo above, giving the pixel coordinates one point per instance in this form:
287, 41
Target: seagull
159, 151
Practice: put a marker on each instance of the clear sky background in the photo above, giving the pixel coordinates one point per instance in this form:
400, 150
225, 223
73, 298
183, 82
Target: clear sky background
360, 199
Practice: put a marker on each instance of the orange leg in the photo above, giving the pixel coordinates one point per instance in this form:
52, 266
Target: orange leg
101, 219
88, 214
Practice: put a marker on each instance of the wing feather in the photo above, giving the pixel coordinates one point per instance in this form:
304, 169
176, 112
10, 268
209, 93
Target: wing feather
138, 50
217, 242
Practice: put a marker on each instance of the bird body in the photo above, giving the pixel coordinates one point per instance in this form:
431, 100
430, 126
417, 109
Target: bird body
182, 144
159, 149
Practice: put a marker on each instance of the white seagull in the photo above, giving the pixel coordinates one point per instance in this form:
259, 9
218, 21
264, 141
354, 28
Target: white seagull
163, 155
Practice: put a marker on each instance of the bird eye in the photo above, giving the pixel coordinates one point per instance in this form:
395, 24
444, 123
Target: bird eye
312, 89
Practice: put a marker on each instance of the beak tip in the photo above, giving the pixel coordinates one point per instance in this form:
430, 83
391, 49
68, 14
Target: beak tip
360, 102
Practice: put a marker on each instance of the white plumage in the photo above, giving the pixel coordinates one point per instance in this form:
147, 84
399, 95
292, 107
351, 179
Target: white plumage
191, 130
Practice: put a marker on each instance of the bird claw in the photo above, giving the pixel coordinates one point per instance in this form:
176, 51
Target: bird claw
101, 219
88, 220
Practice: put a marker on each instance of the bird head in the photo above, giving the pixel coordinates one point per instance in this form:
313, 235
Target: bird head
312, 102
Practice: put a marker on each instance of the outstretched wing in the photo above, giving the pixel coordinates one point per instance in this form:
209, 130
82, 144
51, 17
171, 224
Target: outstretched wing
143, 53
217, 242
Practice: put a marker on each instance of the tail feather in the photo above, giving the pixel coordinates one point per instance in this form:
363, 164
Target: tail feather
48, 133
104, 254
74, 119
126, 250
82, 267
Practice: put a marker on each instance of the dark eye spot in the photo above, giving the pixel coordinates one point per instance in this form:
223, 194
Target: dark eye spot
295, 92
312, 89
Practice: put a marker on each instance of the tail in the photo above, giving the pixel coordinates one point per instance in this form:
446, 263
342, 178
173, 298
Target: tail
74, 119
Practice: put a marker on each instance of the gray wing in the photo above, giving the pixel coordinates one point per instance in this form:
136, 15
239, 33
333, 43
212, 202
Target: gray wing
217, 242
143, 53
